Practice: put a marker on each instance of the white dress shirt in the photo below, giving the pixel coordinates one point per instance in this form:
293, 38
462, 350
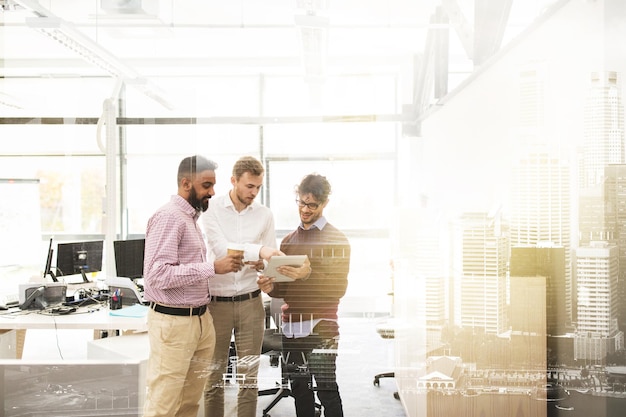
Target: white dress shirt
223, 224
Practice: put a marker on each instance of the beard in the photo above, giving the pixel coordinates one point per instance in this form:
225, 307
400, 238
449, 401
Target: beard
200, 204
245, 201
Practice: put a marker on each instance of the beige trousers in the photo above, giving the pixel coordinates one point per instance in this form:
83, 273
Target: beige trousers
181, 351
246, 321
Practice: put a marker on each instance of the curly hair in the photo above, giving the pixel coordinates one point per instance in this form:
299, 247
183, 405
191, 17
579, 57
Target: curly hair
314, 184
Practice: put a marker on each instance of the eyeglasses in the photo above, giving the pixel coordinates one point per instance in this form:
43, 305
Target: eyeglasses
311, 206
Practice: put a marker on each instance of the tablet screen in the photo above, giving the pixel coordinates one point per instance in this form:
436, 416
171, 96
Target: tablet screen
275, 261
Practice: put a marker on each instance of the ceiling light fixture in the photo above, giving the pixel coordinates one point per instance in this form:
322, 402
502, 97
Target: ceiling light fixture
61, 32
64, 33
313, 31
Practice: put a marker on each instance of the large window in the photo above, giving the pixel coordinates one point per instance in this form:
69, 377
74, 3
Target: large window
293, 126
70, 166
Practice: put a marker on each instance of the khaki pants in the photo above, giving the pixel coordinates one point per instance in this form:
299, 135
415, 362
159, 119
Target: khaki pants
181, 351
247, 320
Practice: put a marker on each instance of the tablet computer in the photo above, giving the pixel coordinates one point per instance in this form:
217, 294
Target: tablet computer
276, 261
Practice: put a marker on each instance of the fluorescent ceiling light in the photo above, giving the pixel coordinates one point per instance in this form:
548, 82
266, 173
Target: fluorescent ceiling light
63, 32
121, 6
74, 40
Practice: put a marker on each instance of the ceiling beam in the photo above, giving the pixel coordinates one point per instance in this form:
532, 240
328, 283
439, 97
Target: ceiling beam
461, 25
490, 21
431, 72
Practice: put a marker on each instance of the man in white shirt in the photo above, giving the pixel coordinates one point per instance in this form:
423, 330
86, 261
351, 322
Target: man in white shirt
236, 304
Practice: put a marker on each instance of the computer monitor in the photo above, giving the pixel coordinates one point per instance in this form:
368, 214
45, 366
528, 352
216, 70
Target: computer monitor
129, 257
48, 268
79, 258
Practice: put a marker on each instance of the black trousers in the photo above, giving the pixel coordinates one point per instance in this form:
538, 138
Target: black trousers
310, 363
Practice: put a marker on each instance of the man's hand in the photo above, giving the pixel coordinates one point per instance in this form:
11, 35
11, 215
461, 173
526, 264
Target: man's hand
266, 284
229, 263
257, 265
300, 272
266, 252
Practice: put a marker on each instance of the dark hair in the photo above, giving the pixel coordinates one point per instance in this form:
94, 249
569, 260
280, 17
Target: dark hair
247, 164
315, 184
190, 166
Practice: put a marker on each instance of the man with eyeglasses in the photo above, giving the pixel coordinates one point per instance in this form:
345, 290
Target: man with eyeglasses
309, 314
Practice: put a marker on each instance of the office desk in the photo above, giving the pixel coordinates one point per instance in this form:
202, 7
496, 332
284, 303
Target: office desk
107, 382
83, 318
13, 325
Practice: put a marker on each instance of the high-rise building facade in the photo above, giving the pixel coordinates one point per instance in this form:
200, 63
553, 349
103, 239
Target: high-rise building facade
603, 145
603, 173
422, 245
431, 271
540, 202
483, 271
594, 223
597, 333
615, 201
603, 128
537, 282
540, 207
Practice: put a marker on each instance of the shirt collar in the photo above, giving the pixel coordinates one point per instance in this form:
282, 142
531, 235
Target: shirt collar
319, 223
229, 203
184, 205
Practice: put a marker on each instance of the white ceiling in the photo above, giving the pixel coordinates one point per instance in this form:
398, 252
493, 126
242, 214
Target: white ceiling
178, 38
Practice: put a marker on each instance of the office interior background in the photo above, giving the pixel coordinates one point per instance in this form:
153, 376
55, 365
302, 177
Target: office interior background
467, 141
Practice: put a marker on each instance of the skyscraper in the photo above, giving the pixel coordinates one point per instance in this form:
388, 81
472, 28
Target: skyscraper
483, 272
421, 251
603, 145
602, 174
431, 271
534, 309
615, 218
603, 128
540, 207
597, 332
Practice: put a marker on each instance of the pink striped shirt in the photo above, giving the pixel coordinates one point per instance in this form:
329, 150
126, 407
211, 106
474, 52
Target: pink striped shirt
176, 272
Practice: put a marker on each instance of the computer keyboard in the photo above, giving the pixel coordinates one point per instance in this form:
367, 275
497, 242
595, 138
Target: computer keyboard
9, 300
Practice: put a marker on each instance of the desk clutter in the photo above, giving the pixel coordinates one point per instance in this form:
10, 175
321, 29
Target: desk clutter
58, 298
55, 299
85, 297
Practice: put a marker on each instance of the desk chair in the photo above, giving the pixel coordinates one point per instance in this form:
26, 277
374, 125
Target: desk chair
386, 330
273, 347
